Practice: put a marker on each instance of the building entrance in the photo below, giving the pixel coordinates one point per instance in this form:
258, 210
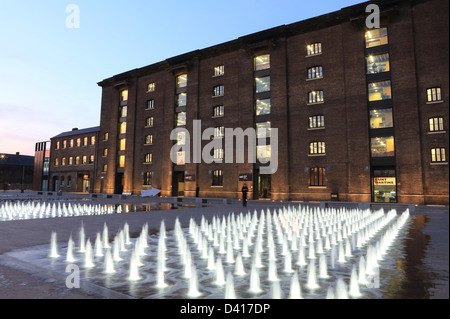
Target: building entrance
384, 186
178, 184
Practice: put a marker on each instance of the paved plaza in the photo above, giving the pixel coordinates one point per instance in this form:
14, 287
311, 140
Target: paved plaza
16, 281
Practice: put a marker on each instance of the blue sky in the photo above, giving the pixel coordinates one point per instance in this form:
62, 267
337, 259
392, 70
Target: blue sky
49, 73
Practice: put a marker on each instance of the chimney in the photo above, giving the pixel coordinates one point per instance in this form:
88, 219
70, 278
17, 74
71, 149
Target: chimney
75, 129
17, 153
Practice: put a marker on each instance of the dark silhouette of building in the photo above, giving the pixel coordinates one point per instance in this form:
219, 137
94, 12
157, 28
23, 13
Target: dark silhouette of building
16, 171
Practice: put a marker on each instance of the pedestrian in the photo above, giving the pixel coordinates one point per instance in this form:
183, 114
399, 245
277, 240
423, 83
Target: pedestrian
197, 191
244, 195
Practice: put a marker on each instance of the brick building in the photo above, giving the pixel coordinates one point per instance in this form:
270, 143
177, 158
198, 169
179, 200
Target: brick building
360, 113
16, 171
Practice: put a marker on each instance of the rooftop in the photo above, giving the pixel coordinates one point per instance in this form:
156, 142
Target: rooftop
76, 131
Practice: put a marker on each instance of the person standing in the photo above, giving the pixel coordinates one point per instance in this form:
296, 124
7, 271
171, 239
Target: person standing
244, 195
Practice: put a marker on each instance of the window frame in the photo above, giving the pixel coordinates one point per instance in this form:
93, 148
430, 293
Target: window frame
217, 178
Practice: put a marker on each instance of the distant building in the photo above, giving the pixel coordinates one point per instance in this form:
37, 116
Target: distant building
362, 114
41, 166
16, 171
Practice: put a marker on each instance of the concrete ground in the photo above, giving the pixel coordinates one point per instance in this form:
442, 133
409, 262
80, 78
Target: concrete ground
17, 282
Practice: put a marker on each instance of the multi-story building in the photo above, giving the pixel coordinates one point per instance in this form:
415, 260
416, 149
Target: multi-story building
72, 160
16, 171
352, 111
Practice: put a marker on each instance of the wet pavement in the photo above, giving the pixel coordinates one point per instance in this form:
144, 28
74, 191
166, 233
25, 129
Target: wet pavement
424, 265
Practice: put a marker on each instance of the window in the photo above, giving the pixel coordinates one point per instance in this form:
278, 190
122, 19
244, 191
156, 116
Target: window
263, 130
91, 159
217, 178
71, 143
123, 111
123, 128
262, 84
149, 121
262, 62
317, 176
219, 70
105, 136
71, 160
316, 121
181, 138
436, 124
377, 63
149, 139
69, 181
315, 97
56, 161
434, 94
84, 160
218, 111
438, 155
122, 161
124, 96
219, 131
79, 142
147, 178
263, 153
105, 152
315, 72
381, 118
92, 140
64, 144
181, 118
150, 105
181, 99
218, 154
317, 148
379, 91
77, 160
63, 161
57, 145
262, 106
314, 49
218, 90
376, 37
181, 158
122, 143
181, 81
105, 168
382, 146
151, 87
148, 158
85, 141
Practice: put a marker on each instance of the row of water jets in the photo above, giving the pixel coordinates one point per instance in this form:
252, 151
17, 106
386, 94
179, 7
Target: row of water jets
285, 237
19, 210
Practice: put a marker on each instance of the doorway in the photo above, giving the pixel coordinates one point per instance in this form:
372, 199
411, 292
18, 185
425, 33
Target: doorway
263, 182
119, 183
178, 184
384, 185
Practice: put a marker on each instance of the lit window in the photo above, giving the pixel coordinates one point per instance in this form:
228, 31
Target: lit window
217, 178
57, 145
149, 121
123, 128
315, 97
218, 111
377, 63
71, 160
71, 143
85, 141
218, 154
124, 95
63, 161
181, 118
262, 84
105, 152
91, 159
123, 111
317, 148
314, 49
263, 153
148, 158
92, 140
149, 139
151, 87
316, 121
438, 155
150, 105
105, 168
122, 143
382, 146
317, 176
434, 94
105, 136
263, 130
181, 81
181, 138
262, 62
379, 91
181, 158
218, 90
262, 106
78, 141
376, 37
219, 70
122, 161
436, 124
64, 144
219, 131
77, 160
147, 178
381, 118
84, 160
181, 99
315, 72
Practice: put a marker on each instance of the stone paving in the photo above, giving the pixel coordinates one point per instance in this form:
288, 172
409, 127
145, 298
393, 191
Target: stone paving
17, 282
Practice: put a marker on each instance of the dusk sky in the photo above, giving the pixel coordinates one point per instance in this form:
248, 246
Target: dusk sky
49, 72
